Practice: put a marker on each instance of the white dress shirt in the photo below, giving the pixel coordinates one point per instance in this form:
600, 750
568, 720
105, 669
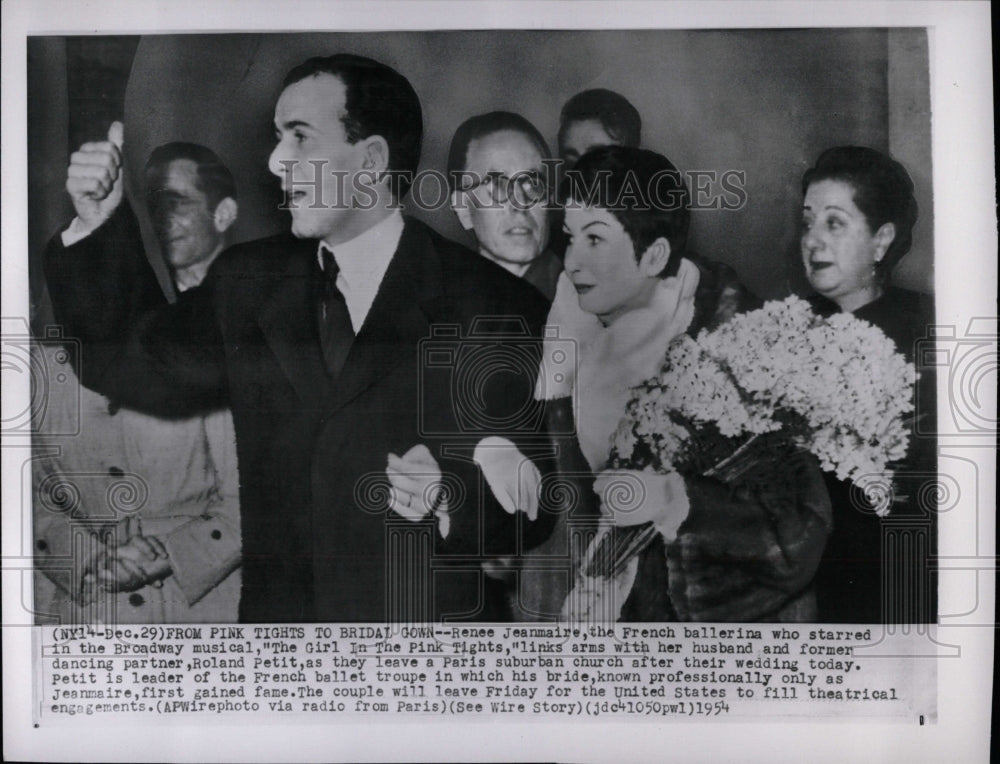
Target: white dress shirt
363, 262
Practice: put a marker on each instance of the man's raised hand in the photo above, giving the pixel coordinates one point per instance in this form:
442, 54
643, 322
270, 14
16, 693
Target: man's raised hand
95, 178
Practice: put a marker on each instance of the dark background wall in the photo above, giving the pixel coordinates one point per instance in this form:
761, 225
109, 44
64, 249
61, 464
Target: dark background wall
764, 102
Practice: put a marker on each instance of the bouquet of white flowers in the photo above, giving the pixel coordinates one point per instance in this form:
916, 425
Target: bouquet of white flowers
737, 400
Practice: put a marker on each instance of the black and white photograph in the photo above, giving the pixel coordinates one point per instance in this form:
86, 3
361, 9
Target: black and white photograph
371, 363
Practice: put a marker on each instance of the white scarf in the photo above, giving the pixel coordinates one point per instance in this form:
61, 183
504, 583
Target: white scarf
612, 359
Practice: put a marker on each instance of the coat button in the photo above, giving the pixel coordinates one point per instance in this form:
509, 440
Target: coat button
217, 534
41, 545
116, 471
136, 600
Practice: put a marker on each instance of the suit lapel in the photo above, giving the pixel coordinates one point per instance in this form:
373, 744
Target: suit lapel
288, 320
399, 317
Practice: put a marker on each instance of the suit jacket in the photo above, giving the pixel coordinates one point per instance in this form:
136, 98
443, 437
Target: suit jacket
318, 541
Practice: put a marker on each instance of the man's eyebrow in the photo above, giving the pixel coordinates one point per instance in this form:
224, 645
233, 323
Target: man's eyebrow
292, 124
593, 222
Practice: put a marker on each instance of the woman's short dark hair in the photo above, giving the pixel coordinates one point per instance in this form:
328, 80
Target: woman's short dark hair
618, 117
642, 189
883, 191
379, 101
483, 125
214, 179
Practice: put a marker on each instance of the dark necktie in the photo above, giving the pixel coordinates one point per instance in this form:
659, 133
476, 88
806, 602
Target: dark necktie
336, 334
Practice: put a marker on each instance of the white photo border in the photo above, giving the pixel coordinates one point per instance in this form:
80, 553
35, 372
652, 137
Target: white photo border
966, 278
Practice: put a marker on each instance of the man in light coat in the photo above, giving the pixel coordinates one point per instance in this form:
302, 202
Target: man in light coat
136, 517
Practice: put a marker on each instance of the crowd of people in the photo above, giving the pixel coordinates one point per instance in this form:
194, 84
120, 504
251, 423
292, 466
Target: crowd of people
360, 420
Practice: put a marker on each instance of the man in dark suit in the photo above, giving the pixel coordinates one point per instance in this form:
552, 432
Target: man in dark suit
365, 359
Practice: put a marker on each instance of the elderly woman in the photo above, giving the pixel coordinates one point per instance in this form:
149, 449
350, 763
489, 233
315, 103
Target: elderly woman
858, 216
721, 553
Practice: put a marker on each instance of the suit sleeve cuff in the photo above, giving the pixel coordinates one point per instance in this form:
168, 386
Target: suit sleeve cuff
76, 232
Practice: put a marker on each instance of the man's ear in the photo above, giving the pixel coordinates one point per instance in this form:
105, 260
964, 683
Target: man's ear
654, 260
884, 237
376, 155
460, 204
225, 214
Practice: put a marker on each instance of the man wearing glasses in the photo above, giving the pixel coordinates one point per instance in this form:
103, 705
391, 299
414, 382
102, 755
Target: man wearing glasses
501, 175
497, 171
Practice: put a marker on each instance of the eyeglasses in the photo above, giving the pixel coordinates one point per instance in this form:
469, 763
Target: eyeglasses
524, 189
